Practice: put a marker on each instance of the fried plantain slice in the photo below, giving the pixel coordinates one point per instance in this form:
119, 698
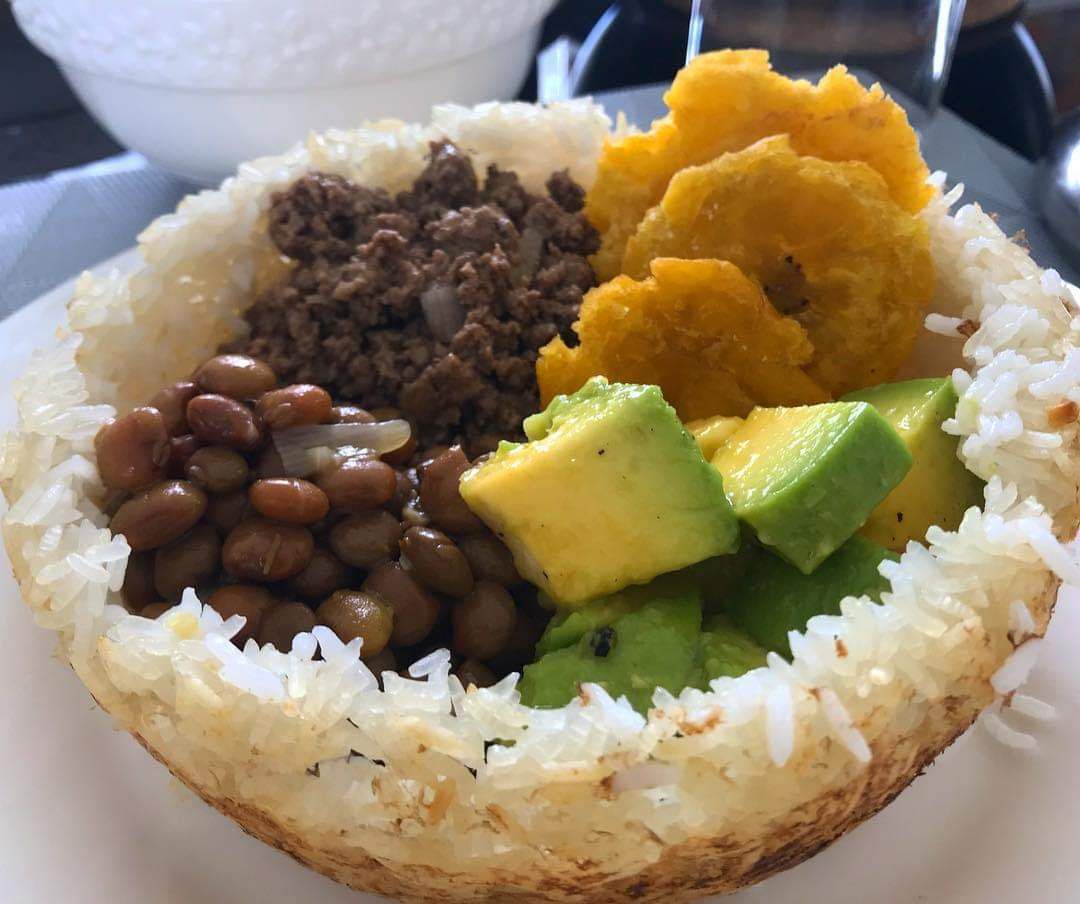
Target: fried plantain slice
831, 249
727, 100
699, 329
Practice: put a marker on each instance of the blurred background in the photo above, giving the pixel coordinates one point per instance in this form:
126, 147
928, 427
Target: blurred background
1015, 71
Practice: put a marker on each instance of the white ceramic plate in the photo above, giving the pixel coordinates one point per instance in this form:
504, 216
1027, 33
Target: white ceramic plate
86, 817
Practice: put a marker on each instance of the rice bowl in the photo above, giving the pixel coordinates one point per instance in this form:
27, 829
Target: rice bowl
402, 791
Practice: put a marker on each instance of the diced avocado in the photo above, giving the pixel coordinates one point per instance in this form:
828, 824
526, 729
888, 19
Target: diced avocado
609, 491
723, 651
938, 489
710, 433
775, 598
638, 652
805, 479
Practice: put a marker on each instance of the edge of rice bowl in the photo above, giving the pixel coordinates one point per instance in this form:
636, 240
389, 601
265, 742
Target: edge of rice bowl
427, 792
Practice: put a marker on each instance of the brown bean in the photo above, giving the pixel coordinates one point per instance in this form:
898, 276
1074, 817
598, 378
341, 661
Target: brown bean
228, 510
269, 463
483, 621
367, 539
159, 514
489, 559
358, 484
260, 550
181, 448
189, 561
138, 589
354, 613
289, 499
520, 648
133, 450
350, 414
242, 599
429, 455
155, 610
383, 661
236, 376
294, 406
403, 492
473, 673
416, 610
439, 494
436, 561
220, 421
217, 469
324, 574
280, 624
172, 403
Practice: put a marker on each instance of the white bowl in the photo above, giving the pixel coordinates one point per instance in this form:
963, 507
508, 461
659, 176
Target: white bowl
198, 86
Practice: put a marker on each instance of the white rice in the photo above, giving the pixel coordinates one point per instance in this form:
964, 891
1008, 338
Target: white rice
251, 725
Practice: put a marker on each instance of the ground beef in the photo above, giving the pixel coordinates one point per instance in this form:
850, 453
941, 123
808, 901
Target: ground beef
500, 271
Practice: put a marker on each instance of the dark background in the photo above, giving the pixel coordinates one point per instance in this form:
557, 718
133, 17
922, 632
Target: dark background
1012, 76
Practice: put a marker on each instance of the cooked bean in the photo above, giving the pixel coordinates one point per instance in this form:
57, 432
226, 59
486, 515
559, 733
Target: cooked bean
403, 492
483, 621
439, 494
112, 501
220, 421
436, 561
172, 403
138, 589
489, 559
228, 510
155, 610
416, 610
324, 574
383, 661
181, 448
358, 484
217, 469
269, 463
350, 414
260, 550
429, 455
367, 539
294, 406
159, 514
280, 624
189, 561
133, 450
242, 599
289, 499
473, 673
236, 376
520, 648
354, 613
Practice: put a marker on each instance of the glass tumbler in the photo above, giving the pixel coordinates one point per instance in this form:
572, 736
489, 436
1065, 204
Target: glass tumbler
906, 44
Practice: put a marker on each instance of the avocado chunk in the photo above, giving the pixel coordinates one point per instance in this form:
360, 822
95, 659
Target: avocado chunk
654, 646
723, 652
710, 433
609, 491
805, 479
775, 597
938, 489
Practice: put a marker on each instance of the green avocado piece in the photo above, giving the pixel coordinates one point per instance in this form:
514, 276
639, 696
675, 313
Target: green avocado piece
610, 491
723, 651
654, 646
775, 597
805, 479
938, 489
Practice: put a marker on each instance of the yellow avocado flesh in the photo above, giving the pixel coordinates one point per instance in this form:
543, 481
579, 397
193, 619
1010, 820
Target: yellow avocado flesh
805, 479
711, 433
610, 491
938, 489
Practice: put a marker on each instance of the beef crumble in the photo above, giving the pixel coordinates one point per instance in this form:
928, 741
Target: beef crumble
435, 301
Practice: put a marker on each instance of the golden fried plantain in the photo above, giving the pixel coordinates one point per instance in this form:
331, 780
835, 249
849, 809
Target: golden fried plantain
831, 249
699, 329
727, 100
